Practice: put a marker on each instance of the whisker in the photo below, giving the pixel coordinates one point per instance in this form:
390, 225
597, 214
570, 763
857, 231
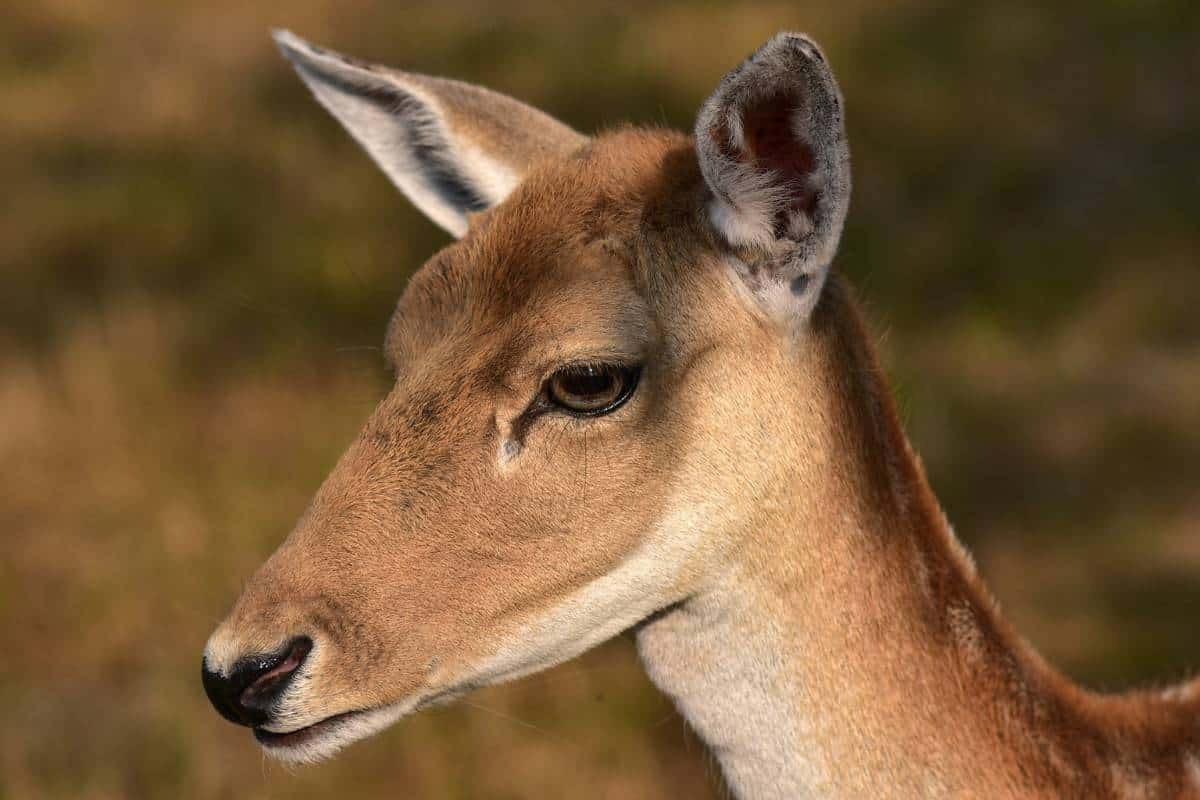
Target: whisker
523, 723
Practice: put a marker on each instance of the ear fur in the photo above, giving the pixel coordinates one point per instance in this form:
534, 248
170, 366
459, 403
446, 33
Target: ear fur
772, 147
453, 148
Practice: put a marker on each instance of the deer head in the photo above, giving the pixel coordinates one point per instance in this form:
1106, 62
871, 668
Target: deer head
586, 413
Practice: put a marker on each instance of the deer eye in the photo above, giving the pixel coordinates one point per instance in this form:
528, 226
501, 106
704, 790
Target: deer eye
592, 389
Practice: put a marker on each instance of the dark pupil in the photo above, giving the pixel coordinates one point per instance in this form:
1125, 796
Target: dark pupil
586, 383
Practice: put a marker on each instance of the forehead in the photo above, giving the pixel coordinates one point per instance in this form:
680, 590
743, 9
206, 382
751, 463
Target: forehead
567, 254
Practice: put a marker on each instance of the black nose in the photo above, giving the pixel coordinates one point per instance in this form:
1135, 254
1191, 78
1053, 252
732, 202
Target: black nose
244, 695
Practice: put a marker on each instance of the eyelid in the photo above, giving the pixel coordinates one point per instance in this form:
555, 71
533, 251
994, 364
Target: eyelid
540, 404
583, 367
607, 358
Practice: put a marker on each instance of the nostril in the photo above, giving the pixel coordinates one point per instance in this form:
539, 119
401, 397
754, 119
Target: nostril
263, 690
244, 695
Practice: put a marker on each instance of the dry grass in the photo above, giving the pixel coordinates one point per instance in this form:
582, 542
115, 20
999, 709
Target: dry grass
194, 259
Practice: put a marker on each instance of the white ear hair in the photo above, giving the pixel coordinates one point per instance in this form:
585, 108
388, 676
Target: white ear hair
451, 147
772, 147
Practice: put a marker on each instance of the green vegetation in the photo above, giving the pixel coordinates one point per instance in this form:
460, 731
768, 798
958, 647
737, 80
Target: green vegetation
197, 263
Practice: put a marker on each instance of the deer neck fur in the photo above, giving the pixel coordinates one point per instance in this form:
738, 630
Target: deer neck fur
848, 648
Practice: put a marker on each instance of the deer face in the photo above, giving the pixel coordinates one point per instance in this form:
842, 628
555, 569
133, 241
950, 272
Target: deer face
564, 451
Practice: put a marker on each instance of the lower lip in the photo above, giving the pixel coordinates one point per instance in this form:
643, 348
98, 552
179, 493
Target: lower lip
306, 734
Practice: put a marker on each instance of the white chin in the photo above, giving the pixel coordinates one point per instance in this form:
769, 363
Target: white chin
323, 739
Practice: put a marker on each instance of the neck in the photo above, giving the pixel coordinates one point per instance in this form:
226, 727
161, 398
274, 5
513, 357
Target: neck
848, 649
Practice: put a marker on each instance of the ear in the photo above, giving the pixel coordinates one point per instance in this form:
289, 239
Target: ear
452, 148
772, 147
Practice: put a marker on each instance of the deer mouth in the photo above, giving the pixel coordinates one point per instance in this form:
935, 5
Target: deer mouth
323, 738
271, 739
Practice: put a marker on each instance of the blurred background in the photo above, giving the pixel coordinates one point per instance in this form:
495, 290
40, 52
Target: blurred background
198, 263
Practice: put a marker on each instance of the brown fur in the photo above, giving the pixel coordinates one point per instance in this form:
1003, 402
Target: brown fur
470, 341
993, 698
420, 556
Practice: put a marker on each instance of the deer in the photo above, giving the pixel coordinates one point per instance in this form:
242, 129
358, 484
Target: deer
634, 396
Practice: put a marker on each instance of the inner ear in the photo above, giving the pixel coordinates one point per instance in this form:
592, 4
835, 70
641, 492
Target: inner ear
454, 149
774, 145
